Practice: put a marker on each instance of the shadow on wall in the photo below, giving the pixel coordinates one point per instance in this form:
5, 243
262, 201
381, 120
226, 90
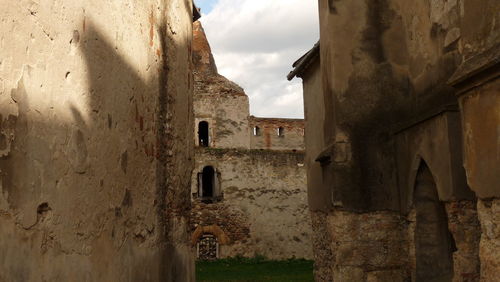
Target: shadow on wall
76, 169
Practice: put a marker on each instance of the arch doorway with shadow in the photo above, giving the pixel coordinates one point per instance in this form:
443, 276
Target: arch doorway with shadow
434, 244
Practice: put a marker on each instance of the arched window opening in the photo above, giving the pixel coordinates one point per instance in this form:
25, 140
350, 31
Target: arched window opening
208, 247
281, 131
208, 184
256, 131
434, 243
203, 136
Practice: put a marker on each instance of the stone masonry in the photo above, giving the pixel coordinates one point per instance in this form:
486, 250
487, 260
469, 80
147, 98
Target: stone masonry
258, 205
402, 110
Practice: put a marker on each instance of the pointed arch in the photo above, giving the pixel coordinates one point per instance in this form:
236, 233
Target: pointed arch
433, 242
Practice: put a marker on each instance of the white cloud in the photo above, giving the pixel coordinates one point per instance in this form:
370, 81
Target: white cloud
255, 43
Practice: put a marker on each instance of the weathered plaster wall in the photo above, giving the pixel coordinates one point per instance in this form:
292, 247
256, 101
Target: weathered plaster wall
384, 68
264, 207
226, 114
87, 172
292, 137
478, 88
319, 194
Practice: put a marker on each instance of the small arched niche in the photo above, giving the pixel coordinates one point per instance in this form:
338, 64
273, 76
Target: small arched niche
203, 134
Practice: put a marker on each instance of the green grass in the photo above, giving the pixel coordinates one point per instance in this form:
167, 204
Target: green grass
254, 269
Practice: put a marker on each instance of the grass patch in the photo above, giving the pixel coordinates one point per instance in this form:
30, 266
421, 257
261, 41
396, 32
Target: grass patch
254, 269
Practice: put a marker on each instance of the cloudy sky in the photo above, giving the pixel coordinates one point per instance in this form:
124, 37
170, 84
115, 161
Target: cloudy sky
255, 43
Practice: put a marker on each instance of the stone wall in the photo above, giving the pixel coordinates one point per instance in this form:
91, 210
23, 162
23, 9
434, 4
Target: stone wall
91, 186
263, 207
217, 100
489, 216
227, 116
384, 105
276, 133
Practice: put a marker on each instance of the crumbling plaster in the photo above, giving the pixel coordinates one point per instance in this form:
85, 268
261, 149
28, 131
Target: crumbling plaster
83, 189
263, 207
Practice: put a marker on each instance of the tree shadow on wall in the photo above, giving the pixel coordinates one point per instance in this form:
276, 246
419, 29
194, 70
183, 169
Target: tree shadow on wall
121, 128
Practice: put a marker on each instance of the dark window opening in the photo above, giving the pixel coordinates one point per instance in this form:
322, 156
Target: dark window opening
256, 131
203, 134
281, 131
208, 184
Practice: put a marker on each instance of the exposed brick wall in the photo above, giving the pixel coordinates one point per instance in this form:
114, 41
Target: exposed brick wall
292, 138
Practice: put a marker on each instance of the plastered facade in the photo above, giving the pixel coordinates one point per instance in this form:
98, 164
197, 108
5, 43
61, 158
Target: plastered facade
397, 88
260, 206
95, 102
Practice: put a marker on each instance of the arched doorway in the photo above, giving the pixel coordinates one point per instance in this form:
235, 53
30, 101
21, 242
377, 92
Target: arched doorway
434, 243
203, 134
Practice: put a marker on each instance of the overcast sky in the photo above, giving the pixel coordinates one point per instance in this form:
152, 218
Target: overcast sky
255, 42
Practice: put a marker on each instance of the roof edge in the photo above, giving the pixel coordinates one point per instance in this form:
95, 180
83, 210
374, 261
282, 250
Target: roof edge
304, 62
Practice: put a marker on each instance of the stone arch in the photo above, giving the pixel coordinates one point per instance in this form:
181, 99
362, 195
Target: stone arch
215, 230
433, 242
418, 161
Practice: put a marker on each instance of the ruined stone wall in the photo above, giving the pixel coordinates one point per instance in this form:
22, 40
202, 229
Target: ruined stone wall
227, 116
270, 136
95, 103
489, 213
386, 101
217, 100
263, 209
478, 88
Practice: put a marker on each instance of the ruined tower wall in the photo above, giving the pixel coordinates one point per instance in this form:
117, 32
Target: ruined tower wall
87, 172
276, 133
263, 205
227, 116
254, 201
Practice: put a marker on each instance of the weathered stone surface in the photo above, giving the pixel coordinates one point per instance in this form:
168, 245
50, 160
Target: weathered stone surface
259, 176
464, 226
379, 103
81, 82
265, 133
368, 242
489, 247
263, 207
321, 237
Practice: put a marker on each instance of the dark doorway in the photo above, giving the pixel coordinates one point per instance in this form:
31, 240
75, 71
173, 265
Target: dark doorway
203, 134
207, 182
434, 243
